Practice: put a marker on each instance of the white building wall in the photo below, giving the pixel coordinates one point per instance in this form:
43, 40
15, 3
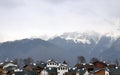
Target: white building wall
86, 73
44, 72
55, 65
77, 73
107, 73
62, 69
51, 63
61, 72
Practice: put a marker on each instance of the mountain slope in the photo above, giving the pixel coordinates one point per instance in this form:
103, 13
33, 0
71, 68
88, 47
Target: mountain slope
28, 47
65, 47
113, 52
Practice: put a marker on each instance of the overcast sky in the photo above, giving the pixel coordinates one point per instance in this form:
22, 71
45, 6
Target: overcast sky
34, 18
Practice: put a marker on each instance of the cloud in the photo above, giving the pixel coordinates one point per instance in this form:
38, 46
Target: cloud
39, 17
55, 1
60, 1
11, 3
118, 28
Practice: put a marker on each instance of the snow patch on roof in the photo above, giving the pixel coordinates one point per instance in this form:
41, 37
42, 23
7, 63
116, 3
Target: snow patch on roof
18, 70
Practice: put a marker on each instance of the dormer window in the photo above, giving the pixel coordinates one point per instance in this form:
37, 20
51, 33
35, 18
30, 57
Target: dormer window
58, 68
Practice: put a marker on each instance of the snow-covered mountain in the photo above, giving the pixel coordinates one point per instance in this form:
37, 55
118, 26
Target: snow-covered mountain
64, 47
89, 44
84, 38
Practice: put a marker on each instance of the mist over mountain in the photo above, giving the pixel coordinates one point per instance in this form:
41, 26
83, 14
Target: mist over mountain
64, 47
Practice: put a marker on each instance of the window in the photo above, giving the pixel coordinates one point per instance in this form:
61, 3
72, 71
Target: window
58, 68
63, 68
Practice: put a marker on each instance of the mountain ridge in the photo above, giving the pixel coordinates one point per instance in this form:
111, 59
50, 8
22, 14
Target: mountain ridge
61, 48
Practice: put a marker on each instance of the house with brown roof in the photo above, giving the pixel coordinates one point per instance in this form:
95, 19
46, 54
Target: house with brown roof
1, 70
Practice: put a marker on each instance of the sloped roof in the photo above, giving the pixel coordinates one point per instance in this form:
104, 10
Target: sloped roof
72, 70
25, 72
84, 65
42, 65
114, 71
52, 61
19, 73
9, 68
9, 63
51, 70
81, 71
61, 65
76, 70
99, 69
99, 62
30, 72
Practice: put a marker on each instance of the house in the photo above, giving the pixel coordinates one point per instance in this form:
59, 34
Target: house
50, 70
10, 73
44, 72
99, 64
71, 71
89, 67
54, 68
114, 71
24, 72
111, 65
19, 73
76, 71
1, 70
100, 68
52, 63
38, 70
41, 64
62, 69
82, 71
28, 70
101, 71
8, 67
39, 67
